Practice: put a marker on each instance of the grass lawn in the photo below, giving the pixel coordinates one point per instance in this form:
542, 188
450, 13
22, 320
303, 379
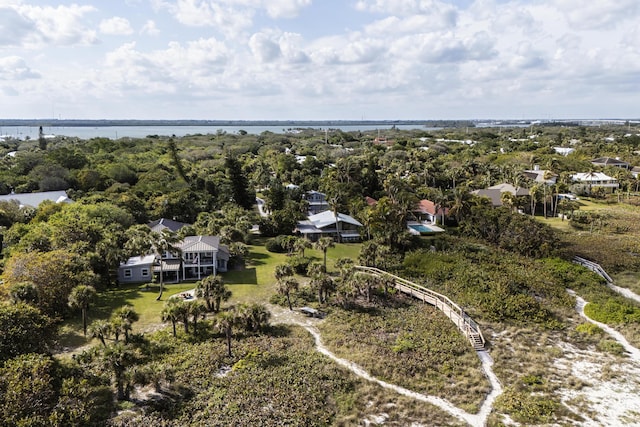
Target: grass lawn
254, 283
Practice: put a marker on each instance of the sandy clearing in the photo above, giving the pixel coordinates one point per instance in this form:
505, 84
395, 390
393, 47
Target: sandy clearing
475, 420
610, 396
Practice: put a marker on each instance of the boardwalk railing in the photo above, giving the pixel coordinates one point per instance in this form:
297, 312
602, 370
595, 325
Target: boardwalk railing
596, 268
454, 312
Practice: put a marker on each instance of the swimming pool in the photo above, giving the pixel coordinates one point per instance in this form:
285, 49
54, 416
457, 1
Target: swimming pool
422, 228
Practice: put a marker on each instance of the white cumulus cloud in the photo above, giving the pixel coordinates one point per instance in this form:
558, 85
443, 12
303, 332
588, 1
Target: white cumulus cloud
150, 28
285, 8
15, 68
116, 26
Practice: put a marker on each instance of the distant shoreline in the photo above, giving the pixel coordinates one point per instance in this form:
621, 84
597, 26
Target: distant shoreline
304, 123
285, 123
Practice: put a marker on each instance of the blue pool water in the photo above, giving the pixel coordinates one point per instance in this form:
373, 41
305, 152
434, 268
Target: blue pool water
421, 228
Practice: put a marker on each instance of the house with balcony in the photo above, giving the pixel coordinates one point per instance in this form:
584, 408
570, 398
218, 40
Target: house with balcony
589, 180
317, 202
198, 257
202, 256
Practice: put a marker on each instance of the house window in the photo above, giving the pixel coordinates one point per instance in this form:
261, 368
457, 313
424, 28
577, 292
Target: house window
127, 273
144, 272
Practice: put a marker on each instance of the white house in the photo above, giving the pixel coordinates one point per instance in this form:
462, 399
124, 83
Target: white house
595, 179
202, 256
326, 224
565, 151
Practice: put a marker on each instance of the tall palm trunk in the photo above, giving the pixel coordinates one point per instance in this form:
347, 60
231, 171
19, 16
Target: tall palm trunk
161, 281
228, 334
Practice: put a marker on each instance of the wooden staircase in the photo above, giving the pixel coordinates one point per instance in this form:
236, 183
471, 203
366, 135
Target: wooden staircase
454, 312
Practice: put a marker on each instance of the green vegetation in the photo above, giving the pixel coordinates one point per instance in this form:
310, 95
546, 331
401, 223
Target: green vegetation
219, 363
409, 344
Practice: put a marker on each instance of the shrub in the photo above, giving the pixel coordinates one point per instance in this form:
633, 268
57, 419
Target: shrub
275, 245
299, 264
589, 329
526, 408
610, 346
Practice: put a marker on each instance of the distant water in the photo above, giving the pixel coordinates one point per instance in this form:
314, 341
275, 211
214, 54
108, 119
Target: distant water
116, 132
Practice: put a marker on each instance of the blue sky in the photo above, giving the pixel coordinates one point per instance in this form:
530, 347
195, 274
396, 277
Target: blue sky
312, 59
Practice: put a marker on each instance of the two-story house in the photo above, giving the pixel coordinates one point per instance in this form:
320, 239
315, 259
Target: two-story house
199, 256
317, 202
340, 227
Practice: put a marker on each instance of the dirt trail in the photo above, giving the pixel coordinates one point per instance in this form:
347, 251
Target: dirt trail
634, 353
611, 384
476, 420
628, 293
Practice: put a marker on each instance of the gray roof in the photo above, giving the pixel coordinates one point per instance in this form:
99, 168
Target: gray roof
202, 244
34, 199
494, 193
610, 161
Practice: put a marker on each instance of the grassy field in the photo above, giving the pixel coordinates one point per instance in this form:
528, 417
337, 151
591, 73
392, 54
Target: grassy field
253, 283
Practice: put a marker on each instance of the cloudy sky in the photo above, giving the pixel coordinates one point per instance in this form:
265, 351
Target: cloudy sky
319, 59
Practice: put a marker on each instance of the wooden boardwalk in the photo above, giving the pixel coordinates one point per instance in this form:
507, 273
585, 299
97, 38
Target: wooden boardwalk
454, 312
596, 268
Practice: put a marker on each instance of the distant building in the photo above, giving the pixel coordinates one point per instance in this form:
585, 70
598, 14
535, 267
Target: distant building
565, 151
609, 161
317, 202
370, 201
538, 175
595, 179
35, 199
494, 193
427, 211
326, 224
166, 224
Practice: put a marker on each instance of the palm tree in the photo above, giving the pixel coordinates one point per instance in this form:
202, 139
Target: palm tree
300, 244
195, 309
225, 322
144, 241
285, 286
322, 283
171, 312
441, 202
100, 329
282, 270
117, 327
508, 200
127, 315
254, 316
363, 282
460, 202
80, 297
534, 193
323, 244
118, 358
214, 291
